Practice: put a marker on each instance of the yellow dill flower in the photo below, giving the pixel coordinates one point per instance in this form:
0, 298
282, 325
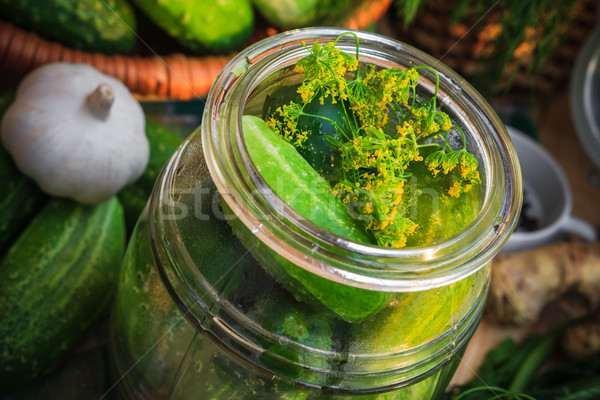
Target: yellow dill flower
376, 159
455, 190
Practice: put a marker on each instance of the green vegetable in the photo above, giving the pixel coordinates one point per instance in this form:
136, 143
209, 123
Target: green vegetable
303, 189
144, 310
289, 14
439, 214
54, 282
217, 26
280, 314
21, 198
318, 149
106, 26
412, 319
84, 375
296, 182
163, 143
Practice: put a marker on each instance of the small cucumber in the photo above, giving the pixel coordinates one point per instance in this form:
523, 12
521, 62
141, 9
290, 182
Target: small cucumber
54, 282
288, 14
21, 198
163, 143
438, 214
296, 182
324, 157
303, 189
217, 26
320, 153
413, 319
106, 26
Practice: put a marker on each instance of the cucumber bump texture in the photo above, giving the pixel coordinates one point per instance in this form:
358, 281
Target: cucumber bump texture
20, 197
106, 26
54, 281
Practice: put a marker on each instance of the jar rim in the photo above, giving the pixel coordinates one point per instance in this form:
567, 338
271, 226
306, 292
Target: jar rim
332, 256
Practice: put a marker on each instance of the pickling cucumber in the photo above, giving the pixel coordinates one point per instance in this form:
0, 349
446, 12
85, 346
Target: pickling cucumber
320, 153
21, 198
217, 26
294, 180
303, 189
106, 26
54, 282
289, 14
163, 143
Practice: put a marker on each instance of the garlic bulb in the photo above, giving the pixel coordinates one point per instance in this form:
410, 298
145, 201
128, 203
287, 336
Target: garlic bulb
76, 132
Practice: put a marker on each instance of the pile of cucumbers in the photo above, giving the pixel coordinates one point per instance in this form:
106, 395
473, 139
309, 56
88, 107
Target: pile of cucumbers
111, 26
60, 261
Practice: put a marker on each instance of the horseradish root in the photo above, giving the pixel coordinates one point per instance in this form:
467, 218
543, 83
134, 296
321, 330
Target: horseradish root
524, 283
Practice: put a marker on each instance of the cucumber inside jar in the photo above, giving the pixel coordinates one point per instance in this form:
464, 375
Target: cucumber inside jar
308, 193
355, 150
318, 150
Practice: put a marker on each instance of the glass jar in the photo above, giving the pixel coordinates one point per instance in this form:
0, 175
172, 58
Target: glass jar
227, 293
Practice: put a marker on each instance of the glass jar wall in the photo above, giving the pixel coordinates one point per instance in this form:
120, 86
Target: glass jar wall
227, 293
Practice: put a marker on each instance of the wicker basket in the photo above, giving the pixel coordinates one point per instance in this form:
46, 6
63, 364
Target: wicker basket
461, 46
174, 76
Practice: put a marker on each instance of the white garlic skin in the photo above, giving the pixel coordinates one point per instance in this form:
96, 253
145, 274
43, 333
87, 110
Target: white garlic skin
66, 146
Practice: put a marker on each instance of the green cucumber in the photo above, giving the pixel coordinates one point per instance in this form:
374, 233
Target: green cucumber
303, 189
163, 143
324, 156
296, 182
288, 14
82, 376
283, 94
281, 314
320, 153
21, 198
413, 319
106, 26
416, 318
217, 26
55, 280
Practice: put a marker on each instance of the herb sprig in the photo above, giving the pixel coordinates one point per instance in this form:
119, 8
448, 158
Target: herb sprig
387, 128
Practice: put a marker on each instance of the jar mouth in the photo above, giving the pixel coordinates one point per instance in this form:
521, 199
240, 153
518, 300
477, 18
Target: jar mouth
334, 257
